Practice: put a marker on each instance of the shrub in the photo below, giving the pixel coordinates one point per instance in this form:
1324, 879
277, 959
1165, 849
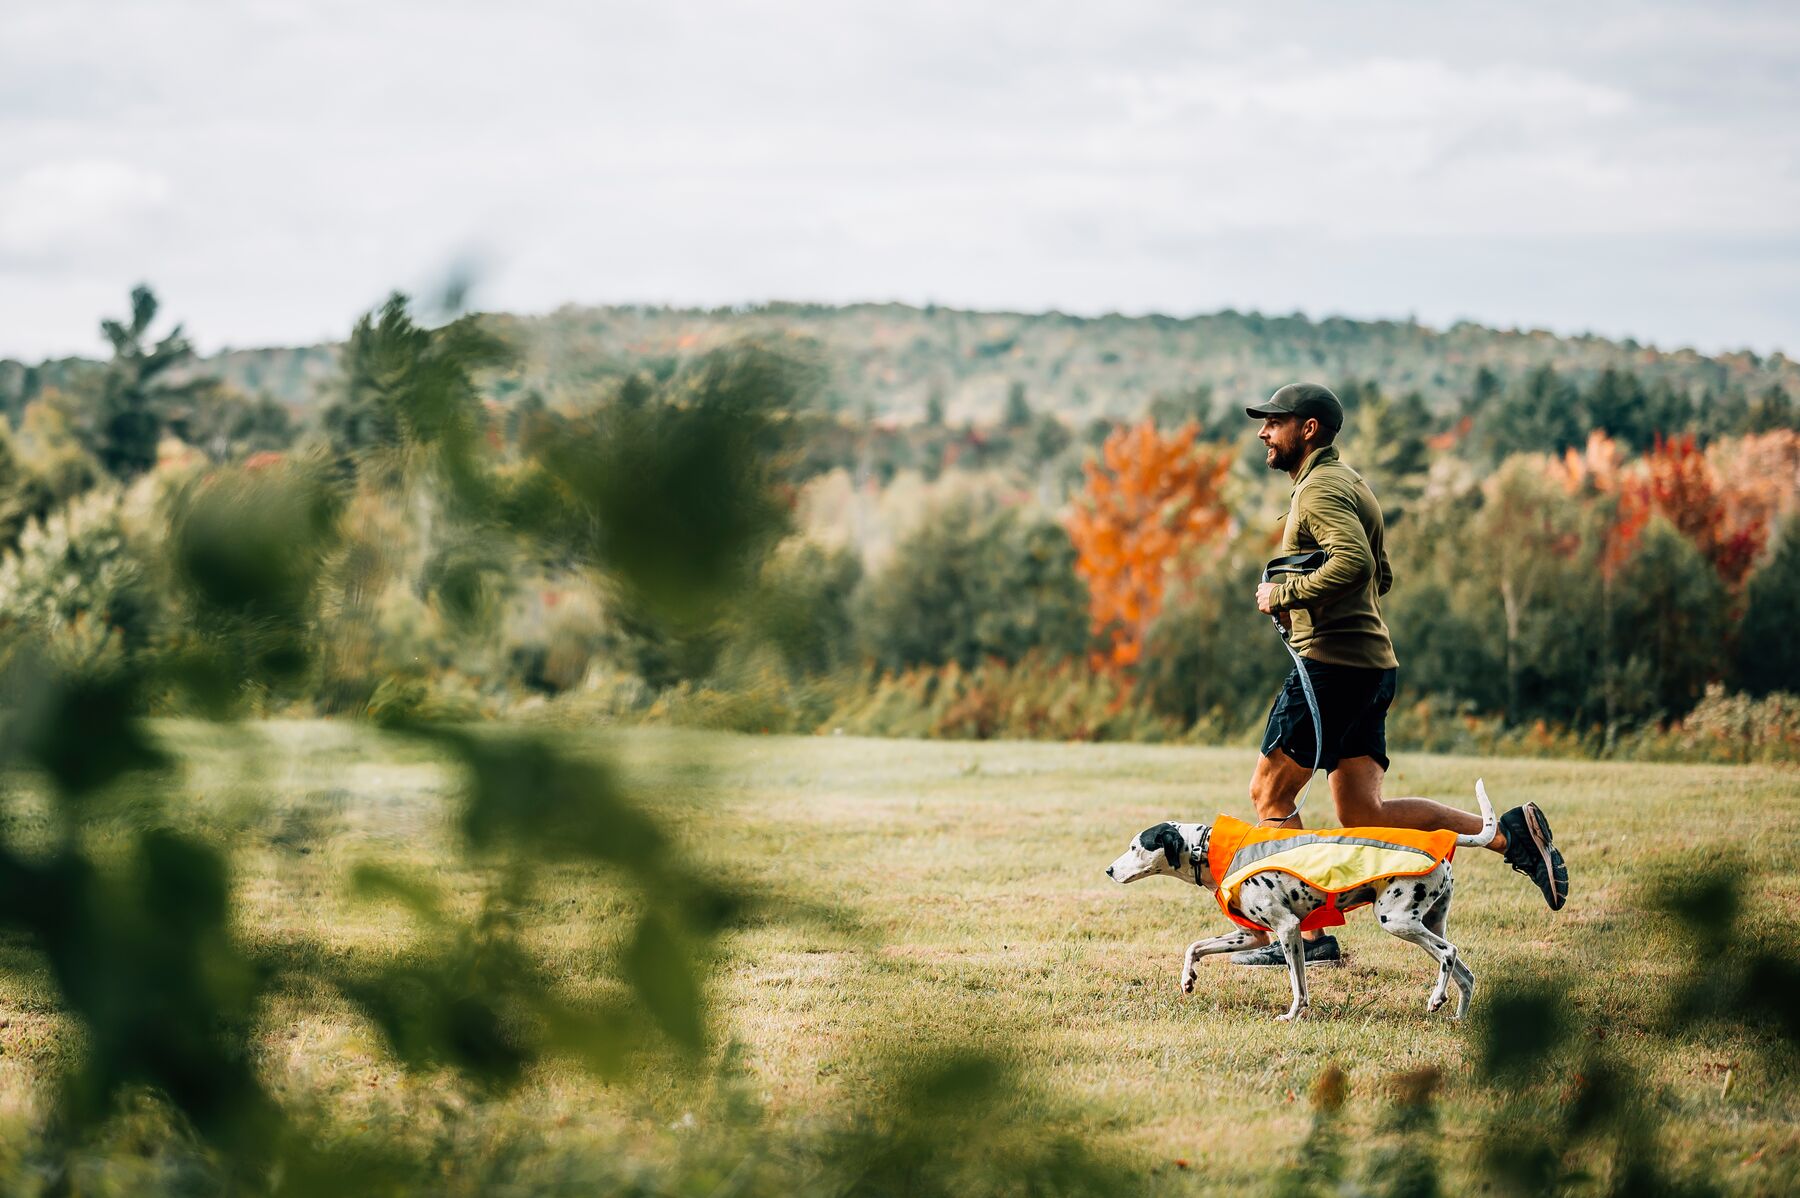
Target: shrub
76, 582
1729, 727
1038, 698
969, 585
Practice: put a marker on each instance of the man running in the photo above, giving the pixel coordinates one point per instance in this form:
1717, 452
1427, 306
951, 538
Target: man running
1333, 617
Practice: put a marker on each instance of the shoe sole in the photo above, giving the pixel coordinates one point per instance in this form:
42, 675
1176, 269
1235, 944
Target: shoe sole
1333, 963
1540, 839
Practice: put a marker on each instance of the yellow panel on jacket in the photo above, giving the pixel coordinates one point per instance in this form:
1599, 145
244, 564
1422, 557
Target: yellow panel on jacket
1334, 860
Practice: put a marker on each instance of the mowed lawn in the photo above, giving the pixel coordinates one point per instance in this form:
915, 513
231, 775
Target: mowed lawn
961, 902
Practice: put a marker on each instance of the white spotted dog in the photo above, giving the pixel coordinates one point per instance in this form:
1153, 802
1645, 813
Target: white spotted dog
1283, 882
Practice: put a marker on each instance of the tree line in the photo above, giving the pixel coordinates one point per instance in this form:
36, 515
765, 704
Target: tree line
1587, 556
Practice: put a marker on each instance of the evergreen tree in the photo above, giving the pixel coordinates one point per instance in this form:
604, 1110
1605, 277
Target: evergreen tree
1672, 603
1669, 409
1385, 441
1541, 415
1018, 412
1772, 408
1768, 652
934, 408
1617, 405
134, 394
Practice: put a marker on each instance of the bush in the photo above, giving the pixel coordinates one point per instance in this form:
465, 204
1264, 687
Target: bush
1728, 727
76, 582
802, 607
969, 585
1038, 698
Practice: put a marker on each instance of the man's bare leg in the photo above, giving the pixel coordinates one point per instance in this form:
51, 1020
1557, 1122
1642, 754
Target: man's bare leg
1273, 788
1356, 790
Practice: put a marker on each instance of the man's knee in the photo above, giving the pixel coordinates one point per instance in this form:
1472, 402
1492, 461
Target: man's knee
1273, 787
1270, 803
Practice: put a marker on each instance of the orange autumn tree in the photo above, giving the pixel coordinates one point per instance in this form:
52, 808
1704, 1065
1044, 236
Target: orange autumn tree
1600, 470
1150, 500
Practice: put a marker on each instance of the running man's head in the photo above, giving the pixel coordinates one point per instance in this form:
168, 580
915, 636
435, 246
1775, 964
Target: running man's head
1297, 419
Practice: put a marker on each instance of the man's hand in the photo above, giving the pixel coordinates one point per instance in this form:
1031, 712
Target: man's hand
1265, 598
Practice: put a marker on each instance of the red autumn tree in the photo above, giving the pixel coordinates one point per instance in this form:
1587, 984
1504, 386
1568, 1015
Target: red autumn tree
1150, 501
1727, 520
1683, 487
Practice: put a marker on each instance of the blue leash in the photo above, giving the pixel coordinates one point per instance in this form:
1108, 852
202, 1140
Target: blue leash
1300, 563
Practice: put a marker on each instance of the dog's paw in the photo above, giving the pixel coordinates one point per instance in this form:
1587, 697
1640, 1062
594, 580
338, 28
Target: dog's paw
1187, 981
1433, 1005
1291, 1016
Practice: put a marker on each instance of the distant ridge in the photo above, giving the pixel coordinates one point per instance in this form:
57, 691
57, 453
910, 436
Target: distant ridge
889, 360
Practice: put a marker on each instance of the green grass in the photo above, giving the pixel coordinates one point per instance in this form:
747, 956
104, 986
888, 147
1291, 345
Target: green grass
956, 899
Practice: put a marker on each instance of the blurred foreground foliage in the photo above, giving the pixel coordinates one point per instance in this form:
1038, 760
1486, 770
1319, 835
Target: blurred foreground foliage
267, 571
1562, 1112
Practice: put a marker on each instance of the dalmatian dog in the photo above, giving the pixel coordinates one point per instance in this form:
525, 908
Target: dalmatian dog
1415, 908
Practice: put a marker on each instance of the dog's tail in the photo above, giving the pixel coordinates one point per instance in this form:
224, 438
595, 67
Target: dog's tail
1488, 824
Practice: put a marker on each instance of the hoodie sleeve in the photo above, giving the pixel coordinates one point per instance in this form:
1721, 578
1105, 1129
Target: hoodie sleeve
1328, 516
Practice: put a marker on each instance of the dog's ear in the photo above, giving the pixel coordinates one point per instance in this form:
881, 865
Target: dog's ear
1168, 839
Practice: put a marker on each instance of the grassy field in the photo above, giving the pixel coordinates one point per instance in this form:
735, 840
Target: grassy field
950, 896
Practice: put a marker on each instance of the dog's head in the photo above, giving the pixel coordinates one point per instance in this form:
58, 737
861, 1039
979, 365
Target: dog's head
1160, 849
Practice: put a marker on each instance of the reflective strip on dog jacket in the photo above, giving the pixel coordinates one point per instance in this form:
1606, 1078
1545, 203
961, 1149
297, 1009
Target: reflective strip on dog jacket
1334, 860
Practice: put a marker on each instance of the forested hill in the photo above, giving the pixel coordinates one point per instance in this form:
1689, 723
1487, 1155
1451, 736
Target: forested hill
894, 359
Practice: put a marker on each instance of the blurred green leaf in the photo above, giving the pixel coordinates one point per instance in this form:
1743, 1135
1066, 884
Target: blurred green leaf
660, 967
80, 729
370, 881
526, 794
1521, 1024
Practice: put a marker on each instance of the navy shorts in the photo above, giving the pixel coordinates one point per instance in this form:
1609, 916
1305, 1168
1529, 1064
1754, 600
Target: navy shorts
1353, 704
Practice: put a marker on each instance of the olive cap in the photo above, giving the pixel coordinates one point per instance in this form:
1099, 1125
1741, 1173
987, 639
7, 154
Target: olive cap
1303, 400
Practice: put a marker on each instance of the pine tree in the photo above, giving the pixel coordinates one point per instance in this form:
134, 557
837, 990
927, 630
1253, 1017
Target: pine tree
1018, 412
1768, 652
134, 395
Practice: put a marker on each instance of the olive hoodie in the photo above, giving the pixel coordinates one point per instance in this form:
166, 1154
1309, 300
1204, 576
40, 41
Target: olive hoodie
1336, 609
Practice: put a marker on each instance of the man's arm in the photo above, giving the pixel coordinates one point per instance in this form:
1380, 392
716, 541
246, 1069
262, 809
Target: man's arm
1330, 516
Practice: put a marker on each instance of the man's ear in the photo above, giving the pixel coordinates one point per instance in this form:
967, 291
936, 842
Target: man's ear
1170, 842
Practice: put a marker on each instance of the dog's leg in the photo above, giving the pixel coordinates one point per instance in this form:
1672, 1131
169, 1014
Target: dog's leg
1288, 932
1279, 902
1228, 943
1402, 909
1437, 921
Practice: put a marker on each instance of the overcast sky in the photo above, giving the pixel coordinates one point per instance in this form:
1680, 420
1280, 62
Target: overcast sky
274, 168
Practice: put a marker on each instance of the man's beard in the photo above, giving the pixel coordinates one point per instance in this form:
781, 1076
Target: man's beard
1286, 459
